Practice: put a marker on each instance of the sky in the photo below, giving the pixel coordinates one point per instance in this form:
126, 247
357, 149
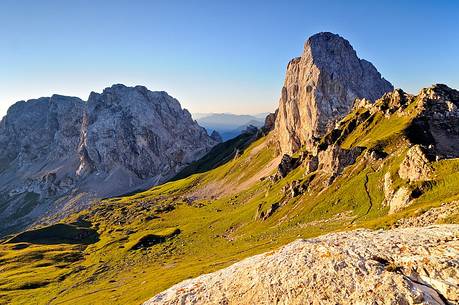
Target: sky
213, 56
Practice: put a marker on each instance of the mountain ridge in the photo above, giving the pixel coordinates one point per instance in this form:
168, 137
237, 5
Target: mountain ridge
212, 219
320, 88
377, 165
61, 148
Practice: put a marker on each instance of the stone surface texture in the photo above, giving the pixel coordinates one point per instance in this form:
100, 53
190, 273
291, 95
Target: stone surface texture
59, 153
416, 165
398, 266
438, 123
320, 88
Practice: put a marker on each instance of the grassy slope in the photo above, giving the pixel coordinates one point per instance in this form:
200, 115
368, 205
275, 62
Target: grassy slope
216, 219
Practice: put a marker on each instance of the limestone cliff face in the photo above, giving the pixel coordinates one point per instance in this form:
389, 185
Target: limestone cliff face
45, 128
59, 153
320, 88
145, 132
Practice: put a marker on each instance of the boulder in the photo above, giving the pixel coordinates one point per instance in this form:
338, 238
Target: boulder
286, 165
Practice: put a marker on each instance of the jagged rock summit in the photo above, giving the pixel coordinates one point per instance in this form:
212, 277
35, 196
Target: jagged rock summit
320, 88
59, 153
399, 266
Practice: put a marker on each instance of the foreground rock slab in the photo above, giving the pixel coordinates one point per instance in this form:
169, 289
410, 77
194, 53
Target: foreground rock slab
399, 266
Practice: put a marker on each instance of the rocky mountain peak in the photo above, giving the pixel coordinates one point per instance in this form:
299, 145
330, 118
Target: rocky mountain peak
439, 99
120, 140
437, 124
320, 88
147, 128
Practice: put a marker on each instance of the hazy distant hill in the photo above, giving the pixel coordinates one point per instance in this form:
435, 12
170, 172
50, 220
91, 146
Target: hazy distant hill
228, 125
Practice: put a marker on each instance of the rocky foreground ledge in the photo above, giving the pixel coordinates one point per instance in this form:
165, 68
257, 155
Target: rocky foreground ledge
399, 266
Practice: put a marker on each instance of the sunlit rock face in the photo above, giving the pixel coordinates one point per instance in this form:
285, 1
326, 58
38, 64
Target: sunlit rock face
399, 266
320, 88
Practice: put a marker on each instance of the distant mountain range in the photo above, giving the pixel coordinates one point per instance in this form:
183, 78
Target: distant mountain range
228, 125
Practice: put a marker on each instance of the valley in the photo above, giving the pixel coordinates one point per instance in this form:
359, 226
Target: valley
345, 157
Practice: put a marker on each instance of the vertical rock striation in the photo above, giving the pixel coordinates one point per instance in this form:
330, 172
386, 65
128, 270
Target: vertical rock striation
59, 153
320, 88
145, 132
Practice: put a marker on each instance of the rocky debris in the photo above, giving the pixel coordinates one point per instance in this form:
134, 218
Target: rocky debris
320, 88
388, 190
430, 217
334, 159
398, 266
416, 165
331, 162
271, 210
437, 125
295, 188
375, 154
69, 152
216, 136
259, 213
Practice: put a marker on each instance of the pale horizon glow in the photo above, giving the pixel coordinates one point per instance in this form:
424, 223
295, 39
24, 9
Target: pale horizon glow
226, 57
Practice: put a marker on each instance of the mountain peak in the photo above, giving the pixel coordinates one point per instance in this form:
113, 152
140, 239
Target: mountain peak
120, 140
320, 88
331, 39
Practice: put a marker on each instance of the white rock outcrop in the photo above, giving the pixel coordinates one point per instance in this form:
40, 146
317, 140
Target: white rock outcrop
399, 266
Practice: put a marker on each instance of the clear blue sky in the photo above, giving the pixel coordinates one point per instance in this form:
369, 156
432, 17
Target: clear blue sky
214, 56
